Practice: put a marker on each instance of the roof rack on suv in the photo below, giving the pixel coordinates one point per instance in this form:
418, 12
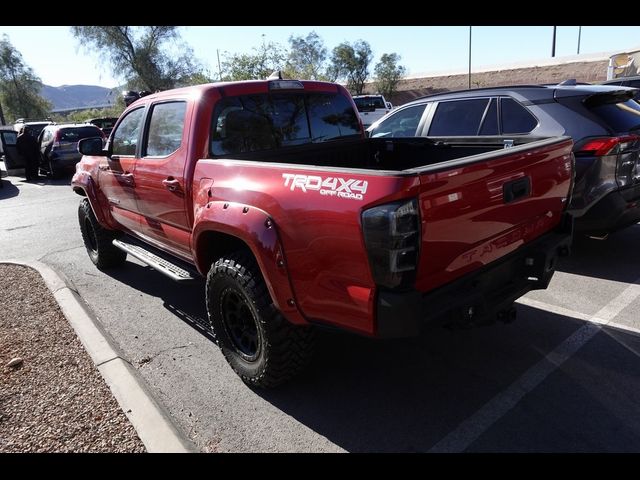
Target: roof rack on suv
497, 87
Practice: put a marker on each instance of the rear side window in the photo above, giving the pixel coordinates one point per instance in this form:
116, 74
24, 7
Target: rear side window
621, 116
460, 117
331, 117
404, 123
125, 138
252, 123
490, 122
515, 118
165, 129
75, 134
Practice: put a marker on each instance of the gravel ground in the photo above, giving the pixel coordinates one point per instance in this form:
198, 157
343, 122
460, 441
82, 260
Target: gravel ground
56, 400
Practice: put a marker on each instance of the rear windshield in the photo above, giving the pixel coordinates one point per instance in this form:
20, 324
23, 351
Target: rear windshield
104, 122
369, 104
252, 123
621, 116
78, 133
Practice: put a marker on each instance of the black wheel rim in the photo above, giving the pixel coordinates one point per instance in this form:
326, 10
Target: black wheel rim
91, 235
240, 324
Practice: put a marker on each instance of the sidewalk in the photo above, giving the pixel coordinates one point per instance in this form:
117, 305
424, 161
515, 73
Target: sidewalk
53, 399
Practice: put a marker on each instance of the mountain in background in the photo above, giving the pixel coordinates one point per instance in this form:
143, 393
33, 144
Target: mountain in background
74, 96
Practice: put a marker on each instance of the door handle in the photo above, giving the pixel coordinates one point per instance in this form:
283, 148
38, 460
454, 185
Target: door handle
512, 191
171, 184
128, 179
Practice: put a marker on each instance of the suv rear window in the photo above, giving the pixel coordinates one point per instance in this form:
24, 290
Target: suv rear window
78, 133
252, 123
369, 104
621, 116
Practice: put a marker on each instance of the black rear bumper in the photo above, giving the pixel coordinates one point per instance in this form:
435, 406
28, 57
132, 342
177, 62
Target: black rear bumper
614, 211
479, 297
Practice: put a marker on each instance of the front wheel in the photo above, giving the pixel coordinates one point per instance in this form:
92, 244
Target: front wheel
97, 239
261, 346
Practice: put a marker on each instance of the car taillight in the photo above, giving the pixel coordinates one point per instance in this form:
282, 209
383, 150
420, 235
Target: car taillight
624, 147
392, 237
56, 140
604, 146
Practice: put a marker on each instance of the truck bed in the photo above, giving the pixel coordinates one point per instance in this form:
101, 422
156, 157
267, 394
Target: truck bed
394, 154
477, 204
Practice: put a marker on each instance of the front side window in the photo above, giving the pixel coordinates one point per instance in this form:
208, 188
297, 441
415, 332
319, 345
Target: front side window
125, 137
165, 129
458, 118
258, 122
404, 123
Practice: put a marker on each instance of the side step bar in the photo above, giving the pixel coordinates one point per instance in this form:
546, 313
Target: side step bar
171, 270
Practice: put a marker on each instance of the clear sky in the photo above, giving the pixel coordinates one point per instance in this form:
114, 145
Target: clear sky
56, 57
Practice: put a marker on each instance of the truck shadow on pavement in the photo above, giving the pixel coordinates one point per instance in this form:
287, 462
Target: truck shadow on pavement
615, 258
184, 301
406, 395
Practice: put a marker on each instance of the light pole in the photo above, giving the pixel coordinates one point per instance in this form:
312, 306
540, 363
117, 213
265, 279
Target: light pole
553, 43
579, 33
469, 56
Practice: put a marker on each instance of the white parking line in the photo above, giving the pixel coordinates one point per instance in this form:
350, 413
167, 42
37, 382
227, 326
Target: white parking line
473, 427
566, 312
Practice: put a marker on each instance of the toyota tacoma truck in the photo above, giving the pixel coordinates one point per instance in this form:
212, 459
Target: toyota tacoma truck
271, 191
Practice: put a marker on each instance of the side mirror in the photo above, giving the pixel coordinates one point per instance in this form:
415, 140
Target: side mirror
91, 146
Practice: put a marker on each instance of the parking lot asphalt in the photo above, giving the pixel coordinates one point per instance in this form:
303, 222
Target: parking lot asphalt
564, 377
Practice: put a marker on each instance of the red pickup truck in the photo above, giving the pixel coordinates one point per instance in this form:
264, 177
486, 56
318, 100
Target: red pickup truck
270, 190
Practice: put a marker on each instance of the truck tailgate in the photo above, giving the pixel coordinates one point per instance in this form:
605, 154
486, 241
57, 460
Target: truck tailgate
478, 209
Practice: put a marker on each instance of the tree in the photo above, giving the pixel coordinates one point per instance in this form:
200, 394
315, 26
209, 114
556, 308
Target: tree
351, 63
138, 55
388, 73
19, 86
267, 58
307, 57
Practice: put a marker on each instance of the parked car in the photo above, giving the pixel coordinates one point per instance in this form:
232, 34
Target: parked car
603, 121
105, 124
270, 190
59, 146
33, 127
371, 108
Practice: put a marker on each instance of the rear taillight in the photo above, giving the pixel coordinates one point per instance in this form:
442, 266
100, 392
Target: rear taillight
392, 237
606, 145
626, 150
56, 140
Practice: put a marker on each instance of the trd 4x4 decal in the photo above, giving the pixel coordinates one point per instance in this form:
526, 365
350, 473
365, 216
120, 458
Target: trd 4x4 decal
329, 186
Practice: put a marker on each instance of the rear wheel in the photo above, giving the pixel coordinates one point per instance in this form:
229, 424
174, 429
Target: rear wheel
261, 346
97, 239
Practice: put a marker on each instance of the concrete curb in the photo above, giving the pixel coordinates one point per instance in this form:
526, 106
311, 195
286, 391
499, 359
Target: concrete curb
152, 423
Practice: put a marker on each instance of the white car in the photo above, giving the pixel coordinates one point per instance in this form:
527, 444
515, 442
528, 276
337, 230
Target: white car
371, 108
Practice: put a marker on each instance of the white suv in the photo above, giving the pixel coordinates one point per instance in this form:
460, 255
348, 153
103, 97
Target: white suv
371, 108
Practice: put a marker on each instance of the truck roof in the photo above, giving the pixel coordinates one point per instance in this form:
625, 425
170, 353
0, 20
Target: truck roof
250, 86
